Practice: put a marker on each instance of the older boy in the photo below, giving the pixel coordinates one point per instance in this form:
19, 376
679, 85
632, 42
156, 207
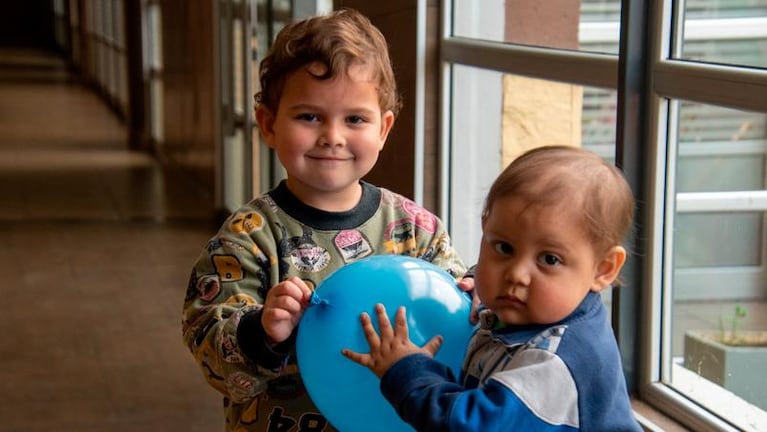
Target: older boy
327, 104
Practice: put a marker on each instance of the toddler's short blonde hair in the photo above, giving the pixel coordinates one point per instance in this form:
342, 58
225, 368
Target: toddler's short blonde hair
576, 181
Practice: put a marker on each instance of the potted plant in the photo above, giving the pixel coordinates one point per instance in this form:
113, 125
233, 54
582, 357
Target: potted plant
730, 357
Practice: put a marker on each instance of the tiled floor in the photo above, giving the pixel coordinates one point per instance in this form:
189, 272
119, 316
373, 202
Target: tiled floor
97, 243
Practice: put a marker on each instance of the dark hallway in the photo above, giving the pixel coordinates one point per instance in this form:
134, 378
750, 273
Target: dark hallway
97, 245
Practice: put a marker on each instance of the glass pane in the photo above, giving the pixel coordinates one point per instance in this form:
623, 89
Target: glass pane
731, 32
497, 116
589, 25
719, 173
718, 280
272, 15
718, 240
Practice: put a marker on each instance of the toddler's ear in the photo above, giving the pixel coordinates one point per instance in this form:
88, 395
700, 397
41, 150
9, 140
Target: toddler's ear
608, 268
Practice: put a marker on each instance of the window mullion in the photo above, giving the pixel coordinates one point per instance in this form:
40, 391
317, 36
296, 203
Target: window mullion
574, 67
730, 86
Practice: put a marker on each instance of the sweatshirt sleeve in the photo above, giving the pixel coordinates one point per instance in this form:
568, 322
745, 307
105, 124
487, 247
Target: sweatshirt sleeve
227, 288
427, 396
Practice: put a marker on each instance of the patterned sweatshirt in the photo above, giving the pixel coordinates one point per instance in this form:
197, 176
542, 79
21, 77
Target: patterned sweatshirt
561, 377
268, 240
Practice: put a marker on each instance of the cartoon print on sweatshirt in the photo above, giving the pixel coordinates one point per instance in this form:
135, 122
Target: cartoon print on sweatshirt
227, 267
352, 245
400, 237
246, 223
302, 253
208, 287
421, 218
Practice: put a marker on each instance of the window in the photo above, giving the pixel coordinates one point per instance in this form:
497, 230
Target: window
526, 73
496, 116
588, 25
106, 42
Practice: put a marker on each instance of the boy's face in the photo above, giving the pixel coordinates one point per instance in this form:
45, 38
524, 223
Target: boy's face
536, 264
327, 134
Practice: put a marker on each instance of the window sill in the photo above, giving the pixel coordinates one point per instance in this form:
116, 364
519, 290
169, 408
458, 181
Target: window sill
653, 420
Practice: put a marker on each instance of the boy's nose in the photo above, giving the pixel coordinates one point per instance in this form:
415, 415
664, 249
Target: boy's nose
331, 135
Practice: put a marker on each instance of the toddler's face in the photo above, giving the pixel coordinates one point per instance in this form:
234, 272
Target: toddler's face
327, 134
535, 263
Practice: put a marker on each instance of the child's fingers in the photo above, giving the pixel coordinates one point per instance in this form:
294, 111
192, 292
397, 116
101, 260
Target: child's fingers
363, 359
433, 345
474, 315
400, 323
370, 332
466, 284
297, 288
286, 303
384, 325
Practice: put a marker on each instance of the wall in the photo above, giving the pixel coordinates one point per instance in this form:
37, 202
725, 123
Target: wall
190, 106
397, 20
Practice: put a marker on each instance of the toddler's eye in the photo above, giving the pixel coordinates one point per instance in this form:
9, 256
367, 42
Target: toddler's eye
550, 259
503, 248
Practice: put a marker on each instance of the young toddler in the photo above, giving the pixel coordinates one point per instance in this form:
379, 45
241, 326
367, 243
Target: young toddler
545, 357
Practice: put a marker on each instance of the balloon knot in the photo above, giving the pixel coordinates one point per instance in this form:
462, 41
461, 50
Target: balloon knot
316, 300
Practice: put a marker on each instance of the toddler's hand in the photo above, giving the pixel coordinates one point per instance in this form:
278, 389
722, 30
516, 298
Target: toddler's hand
283, 307
467, 285
391, 345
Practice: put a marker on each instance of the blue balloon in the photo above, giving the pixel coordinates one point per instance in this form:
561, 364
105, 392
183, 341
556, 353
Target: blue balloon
346, 393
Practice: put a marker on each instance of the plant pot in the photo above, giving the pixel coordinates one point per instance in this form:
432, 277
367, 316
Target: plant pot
738, 368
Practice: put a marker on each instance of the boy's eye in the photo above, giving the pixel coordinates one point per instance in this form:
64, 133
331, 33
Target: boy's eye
503, 248
550, 259
355, 119
307, 117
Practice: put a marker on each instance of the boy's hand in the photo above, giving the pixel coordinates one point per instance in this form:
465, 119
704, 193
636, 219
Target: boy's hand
283, 307
391, 345
467, 285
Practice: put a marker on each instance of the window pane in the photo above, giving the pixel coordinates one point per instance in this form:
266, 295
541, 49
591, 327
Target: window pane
718, 240
718, 278
497, 116
718, 173
731, 32
590, 25
720, 150
711, 125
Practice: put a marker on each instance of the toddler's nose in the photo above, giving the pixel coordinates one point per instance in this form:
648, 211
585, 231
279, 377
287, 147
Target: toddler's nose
518, 273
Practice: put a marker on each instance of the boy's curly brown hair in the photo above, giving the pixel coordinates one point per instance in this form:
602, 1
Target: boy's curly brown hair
338, 41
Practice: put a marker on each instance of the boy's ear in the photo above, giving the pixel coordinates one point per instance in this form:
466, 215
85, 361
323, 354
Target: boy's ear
387, 121
265, 122
608, 268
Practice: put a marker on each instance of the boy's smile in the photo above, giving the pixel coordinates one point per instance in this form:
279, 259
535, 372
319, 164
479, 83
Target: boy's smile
327, 134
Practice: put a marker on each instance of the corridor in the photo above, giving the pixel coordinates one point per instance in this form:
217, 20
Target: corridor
97, 245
